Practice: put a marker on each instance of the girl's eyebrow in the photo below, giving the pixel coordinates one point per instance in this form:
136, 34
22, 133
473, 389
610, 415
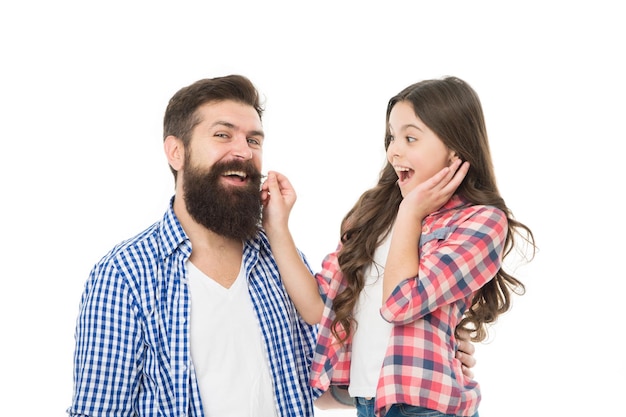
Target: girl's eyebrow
406, 126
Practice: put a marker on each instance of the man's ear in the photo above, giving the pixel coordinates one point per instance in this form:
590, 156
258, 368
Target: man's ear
174, 152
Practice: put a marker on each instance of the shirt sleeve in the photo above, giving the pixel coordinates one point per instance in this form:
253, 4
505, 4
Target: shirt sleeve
107, 358
330, 271
458, 260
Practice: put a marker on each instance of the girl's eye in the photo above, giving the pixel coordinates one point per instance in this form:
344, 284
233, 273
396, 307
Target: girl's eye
391, 138
410, 139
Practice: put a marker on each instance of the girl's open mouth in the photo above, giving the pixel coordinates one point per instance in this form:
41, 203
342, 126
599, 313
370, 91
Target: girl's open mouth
404, 174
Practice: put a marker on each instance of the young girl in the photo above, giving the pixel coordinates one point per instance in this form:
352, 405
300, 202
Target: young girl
420, 259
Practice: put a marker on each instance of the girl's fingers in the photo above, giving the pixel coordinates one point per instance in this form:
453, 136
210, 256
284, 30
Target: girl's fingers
272, 183
459, 173
454, 174
454, 167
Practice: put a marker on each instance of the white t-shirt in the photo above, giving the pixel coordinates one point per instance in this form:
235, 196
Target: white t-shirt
371, 338
227, 349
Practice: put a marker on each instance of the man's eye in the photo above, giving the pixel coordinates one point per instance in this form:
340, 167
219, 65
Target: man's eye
254, 141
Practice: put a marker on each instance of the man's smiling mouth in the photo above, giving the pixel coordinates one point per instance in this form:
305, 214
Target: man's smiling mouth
236, 174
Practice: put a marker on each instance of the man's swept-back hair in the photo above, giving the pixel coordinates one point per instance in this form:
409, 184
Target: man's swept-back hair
181, 114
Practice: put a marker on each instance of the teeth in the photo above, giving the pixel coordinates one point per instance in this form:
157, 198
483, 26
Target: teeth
237, 173
401, 169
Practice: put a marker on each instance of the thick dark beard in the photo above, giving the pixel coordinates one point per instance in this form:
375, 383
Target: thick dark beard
228, 211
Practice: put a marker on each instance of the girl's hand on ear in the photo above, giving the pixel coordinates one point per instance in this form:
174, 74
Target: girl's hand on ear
437, 190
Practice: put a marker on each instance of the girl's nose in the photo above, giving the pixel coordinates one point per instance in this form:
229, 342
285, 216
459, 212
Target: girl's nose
393, 150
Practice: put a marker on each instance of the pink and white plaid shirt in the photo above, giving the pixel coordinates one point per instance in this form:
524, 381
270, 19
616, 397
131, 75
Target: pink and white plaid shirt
460, 250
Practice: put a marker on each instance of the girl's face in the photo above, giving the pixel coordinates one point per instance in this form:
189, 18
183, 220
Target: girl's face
415, 151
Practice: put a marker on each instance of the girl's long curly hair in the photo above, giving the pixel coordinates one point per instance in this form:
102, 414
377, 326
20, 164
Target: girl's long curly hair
452, 110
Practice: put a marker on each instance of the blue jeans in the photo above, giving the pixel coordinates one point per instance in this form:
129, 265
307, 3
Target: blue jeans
365, 408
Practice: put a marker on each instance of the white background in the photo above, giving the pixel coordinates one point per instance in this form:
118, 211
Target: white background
84, 85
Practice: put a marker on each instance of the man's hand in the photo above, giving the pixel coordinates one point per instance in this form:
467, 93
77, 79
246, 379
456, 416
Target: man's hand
335, 397
465, 353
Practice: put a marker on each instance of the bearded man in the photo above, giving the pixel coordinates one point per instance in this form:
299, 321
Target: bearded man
190, 317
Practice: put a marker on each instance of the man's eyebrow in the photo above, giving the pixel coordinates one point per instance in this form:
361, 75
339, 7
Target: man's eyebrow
222, 123
232, 126
257, 133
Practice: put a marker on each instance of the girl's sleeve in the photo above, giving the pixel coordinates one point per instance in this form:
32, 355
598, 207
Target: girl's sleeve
455, 262
330, 271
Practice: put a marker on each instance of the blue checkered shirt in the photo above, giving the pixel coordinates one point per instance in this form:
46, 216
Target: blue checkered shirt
132, 354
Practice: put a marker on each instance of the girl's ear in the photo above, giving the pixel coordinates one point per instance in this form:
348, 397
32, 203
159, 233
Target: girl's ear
451, 156
174, 152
